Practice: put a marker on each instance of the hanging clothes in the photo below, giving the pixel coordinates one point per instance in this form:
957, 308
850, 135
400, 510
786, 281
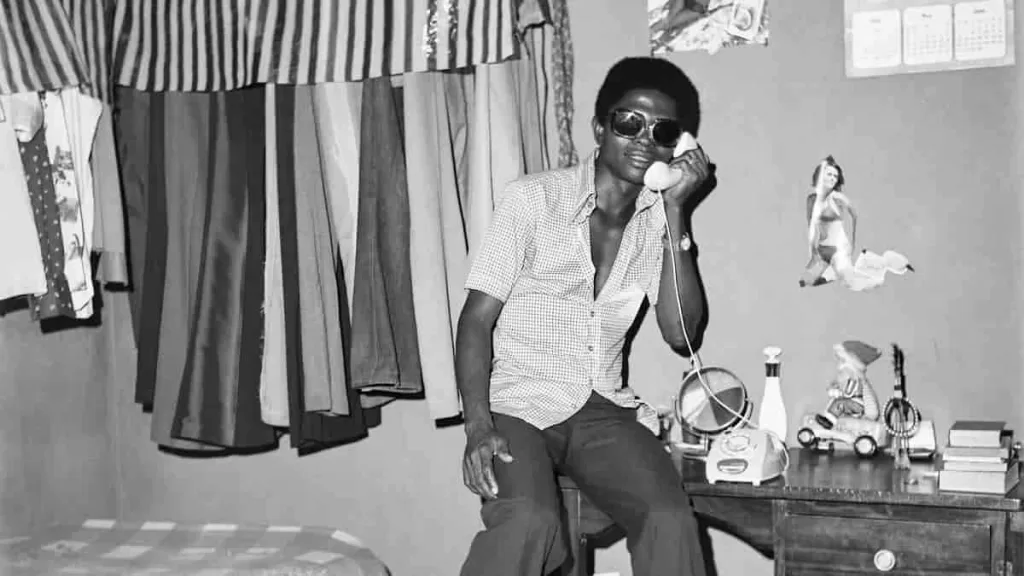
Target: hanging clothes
35, 158
530, 92
308, 431
21, 257
495, 146
67, 121
563, 65
174, 227
203, 227
437, 239
224, 45
89, 24
533, 15
218, 402
274, 368
70, 120
108, 232
324, 356
385, 354
547, 43
140, 139
336, 110
461, 158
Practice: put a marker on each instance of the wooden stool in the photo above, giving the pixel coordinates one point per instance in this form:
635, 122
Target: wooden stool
586, 526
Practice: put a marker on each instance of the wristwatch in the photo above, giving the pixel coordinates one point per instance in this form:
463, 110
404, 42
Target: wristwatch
682, 245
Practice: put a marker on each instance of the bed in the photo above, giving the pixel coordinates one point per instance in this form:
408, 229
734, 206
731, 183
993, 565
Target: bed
137, 548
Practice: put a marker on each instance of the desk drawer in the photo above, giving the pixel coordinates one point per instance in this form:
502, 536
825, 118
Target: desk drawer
836, 545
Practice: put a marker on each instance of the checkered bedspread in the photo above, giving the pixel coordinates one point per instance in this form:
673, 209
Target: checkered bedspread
133, 548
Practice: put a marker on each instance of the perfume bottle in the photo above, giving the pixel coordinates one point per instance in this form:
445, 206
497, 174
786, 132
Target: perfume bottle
772, 413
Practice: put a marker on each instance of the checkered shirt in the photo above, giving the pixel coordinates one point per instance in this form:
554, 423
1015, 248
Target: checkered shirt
554, 342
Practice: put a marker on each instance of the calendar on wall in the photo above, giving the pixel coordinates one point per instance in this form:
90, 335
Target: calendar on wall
885, 37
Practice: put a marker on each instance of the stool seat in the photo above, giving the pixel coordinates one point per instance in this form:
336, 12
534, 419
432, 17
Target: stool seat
591, 519
585, 523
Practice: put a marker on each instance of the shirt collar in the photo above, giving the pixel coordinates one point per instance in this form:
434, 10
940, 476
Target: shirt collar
586, 200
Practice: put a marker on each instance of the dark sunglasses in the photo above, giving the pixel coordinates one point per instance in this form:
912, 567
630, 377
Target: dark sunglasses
631, 124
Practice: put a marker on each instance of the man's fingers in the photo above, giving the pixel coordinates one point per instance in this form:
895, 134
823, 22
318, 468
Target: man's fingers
465, 472
693, 160
472, 476
468, 475
483, 474
490, 482
703, 155
500, 448
474, 473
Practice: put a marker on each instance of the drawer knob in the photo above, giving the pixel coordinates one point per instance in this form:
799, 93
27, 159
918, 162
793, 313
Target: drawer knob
885, 560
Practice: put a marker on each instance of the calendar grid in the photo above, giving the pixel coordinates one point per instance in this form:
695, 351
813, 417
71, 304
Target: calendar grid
885, 37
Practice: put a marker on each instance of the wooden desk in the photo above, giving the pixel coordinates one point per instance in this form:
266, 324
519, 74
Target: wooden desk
837, 514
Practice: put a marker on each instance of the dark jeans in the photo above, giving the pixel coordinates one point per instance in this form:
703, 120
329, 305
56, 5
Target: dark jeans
619, 465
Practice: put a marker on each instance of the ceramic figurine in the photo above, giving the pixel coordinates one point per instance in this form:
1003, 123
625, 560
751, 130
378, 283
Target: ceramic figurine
850, 393
851, 415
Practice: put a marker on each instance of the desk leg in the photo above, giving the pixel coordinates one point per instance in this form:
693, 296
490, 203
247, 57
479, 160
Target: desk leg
1015, 544
778, 543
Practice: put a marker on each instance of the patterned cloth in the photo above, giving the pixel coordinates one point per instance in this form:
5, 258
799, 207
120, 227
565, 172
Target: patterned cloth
123, 548
554, 342
35, 159
563, 66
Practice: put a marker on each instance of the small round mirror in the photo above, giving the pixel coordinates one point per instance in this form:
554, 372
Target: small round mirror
711, 407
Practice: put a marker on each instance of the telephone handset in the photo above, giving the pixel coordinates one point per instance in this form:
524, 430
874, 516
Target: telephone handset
661, 176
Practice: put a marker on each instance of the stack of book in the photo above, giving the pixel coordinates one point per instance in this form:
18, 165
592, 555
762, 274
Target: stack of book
978, 458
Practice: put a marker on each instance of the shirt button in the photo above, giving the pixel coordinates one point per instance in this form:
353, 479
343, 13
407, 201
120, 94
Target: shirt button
592, 313
591, 348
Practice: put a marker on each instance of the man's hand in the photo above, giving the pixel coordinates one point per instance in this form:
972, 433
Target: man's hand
482, 446
696, 169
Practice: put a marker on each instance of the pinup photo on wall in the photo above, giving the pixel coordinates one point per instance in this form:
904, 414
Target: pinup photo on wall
832, 235
683, 25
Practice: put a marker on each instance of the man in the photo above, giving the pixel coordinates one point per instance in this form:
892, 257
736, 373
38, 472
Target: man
566, 264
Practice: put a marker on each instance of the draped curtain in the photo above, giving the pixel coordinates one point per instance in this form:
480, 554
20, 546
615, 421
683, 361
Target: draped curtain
302, 296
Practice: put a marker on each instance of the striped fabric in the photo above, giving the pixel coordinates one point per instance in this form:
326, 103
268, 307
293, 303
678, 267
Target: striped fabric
90, 26
203, 45
52, 44
38, 50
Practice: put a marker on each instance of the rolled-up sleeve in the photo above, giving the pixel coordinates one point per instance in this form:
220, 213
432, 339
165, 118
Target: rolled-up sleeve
502, 254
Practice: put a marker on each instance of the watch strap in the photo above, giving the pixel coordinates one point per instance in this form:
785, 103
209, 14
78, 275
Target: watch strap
683, 244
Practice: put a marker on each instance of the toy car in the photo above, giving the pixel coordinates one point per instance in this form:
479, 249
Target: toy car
865, 436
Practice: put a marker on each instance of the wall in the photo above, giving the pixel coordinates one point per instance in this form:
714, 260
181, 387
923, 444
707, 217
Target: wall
57, 460
928, 160
929, 163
